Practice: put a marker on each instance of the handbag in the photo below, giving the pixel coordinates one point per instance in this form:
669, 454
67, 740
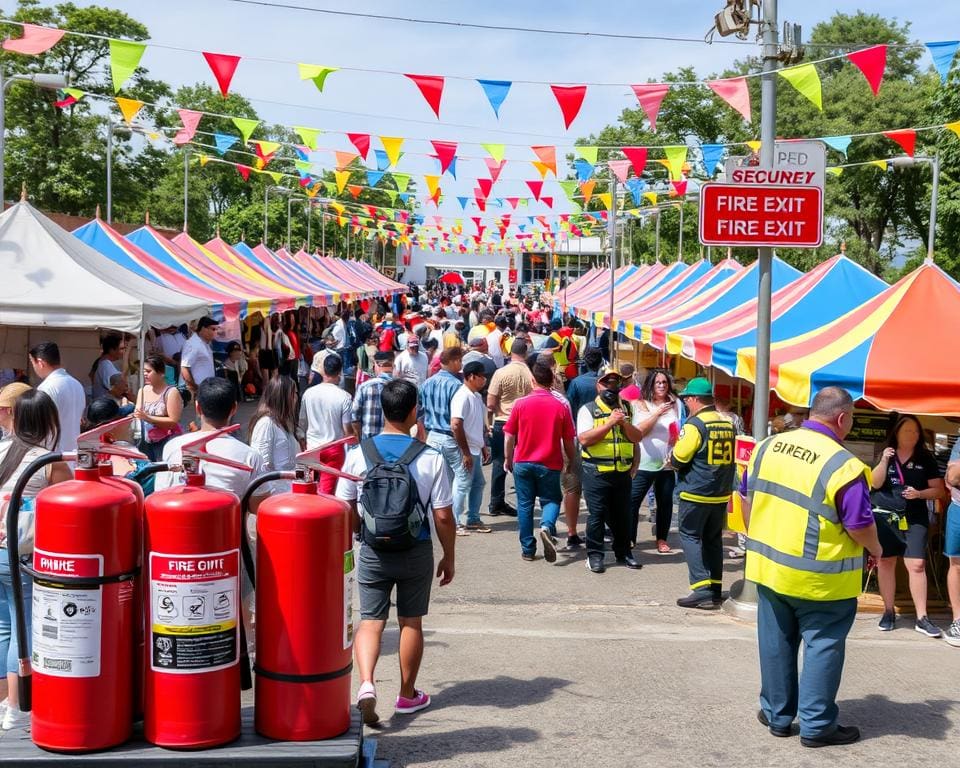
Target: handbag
159, 434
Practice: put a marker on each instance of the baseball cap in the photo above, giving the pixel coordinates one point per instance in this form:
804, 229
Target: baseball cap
474, 368
413, 341
609, 372
697, 387
13, 392
478, 341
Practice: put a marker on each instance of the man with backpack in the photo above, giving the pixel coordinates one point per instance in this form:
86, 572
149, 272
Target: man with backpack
402, 499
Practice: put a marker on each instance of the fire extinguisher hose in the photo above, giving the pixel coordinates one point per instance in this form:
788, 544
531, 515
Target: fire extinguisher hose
25, 671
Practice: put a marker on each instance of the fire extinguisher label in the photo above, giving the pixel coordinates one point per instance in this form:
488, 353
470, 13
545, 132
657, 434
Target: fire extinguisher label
349, 578
194, 601
66, 619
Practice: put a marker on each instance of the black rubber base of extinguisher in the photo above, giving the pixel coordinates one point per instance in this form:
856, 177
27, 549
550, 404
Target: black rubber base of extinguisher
320, 677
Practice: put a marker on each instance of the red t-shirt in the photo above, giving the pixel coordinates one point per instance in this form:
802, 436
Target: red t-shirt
539, 422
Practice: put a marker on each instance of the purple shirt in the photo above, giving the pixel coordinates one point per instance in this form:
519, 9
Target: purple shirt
852, 500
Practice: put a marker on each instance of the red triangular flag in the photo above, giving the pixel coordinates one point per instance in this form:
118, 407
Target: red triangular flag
481, 203
431, 86
494, 167
435, 197
650, 95
223, 65
872, 62
484, 186
536, 187
637, 157
735, 92
362, 142
570, 98
244, 171
906, 138
446, 152
513, 202
680, 187
547, 201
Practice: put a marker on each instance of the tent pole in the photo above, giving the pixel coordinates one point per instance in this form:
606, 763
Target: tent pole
309, 217
613, 263
656, 249
109, 169
186, 186
680, 238
323, 230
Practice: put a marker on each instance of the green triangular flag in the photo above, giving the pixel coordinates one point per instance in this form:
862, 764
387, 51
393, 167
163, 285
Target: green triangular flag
125, 57
806, 80
308, 136
401, 180
275, 175
569, 188
393, 196
587, 153
316, 73
245, 126
495, 150
302, 165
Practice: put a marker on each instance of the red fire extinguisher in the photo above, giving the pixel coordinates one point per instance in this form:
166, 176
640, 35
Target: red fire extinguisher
304, 578
79, 684
192, 608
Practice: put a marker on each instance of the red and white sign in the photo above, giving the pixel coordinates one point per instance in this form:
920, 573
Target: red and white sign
776, 216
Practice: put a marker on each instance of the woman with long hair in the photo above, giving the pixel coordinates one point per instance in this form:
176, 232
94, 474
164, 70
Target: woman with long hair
273, 429
159, 408
657, 415
903, 481
29, 418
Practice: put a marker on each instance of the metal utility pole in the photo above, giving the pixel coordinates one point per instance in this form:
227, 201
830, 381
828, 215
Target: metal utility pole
656, 247
109, 169
933, 204
323, 229
186, 187
680, 239
612, 227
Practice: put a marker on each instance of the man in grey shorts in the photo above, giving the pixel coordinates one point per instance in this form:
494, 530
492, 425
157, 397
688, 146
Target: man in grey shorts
410, 570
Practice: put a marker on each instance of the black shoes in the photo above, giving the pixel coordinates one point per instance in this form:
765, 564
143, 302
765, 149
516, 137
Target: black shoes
504, 509
843, 734
574, 542
701, 601
528, 558
595, 563
630, 561
774, 731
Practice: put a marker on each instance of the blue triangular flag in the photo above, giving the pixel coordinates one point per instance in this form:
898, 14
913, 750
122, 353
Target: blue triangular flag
583, 168
839, 143
712, 153
301, 154
636, 187
383, 162
943, 53
404, 197
496, 91
224, 142
373, 177
463, 202
452, 168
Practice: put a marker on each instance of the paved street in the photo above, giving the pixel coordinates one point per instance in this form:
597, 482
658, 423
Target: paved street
534, 664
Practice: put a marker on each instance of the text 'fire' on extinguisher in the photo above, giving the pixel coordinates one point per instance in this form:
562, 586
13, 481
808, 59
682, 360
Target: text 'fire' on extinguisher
191, 598
87, 549
304, 600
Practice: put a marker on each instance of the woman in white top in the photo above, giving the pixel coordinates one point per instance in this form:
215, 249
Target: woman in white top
159, 408
657, 415
30, 419
273, 430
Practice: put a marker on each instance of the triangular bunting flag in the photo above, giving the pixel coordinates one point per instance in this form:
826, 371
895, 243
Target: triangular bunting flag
882, 164
316, 73
735, 92
446, 153
244, 171
125, 57
308, 136
943, 53
204, 159
513, 201
806, 80
34, 40
584, 170
569, 188
484, 186
463, 202
433, 184
548, 156
391, 145
676, 157
587, 189
224, 142
620, 168
494, 167
246, 126
651, 196
607, 199
839, 143
711, 154
223, 66
401, 180
362, 142
431, 88
906, 138
495, 91
954, 126
754, 146
383, 161
342, 178
495, 150
637, 157
872, 62
570, 98
679, 188
588, 153
266, 149
835, 170
650, 96
542, 168
373, 177
129, 108
190, 120
354, 190
536, 187
70, 96
636, 187
344, 159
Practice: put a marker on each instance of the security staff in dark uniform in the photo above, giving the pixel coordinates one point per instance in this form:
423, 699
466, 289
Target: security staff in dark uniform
608, 440
703, 457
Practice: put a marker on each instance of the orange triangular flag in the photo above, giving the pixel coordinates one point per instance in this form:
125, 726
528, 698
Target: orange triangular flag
547, 156
587, 189
345, 158
129, 108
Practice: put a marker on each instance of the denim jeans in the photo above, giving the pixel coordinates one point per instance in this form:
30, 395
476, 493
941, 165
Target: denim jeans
448, 449
468, 492
822, 626
534, 481
8, 617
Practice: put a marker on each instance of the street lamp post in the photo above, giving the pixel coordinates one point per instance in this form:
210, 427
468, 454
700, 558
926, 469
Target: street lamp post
266, 199
934, 161
41, 80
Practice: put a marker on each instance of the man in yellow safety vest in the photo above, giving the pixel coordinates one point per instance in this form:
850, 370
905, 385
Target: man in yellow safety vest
809, 519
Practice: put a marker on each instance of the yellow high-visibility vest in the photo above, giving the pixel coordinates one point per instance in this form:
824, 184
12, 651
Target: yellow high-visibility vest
615, 452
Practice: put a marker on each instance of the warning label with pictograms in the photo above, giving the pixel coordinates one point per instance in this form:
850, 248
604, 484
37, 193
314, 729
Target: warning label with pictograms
194, 606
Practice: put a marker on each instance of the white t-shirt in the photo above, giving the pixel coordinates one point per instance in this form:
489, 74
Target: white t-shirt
68, 395
106, 370
412, 368
217, 475
339, 333
493, 342
198, 357
325, 414
469, 406
655, 444
277, 449
171, 343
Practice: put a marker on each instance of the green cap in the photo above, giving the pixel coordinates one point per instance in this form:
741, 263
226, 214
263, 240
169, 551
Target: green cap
697, 387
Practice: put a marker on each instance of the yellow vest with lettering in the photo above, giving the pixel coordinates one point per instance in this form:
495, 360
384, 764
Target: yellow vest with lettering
615, 452
796, 543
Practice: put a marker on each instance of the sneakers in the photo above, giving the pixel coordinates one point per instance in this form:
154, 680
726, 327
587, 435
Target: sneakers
14, 718
477, 528
926, 627
574, 542
887, 622
462, 531
699, 600
952, 635
595, 563
407, 706
842, 734
549, 545
367, 703
630, 562
663, 548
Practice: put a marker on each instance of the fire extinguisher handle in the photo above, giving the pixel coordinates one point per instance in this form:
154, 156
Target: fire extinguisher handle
311, 459
194, 451
97, 441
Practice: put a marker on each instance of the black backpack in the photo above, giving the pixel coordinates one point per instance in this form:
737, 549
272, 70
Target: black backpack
393, 514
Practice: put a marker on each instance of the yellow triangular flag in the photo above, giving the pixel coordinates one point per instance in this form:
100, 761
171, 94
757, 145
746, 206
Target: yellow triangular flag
651, 196
754, 146
433, 182
495, 150
806, 80
338, 207
835, 170
676, 157
204, 159
882, 164
587, 153
308, 136
391, 145
268, 147
129, 108
275, 175
607, 199
954, 126
542, 167
342, 178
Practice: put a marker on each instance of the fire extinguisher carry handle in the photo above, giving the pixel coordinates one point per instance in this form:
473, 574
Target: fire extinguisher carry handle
311, 459
195, 449
97, 441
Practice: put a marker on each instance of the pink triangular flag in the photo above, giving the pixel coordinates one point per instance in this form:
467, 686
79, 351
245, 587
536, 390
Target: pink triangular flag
513, 201
906, 138
446, 152
494, 167
570, 98
223, 65
637, 156
735, 92
536, 187
431, 87
872, 62
650, 96
362, 142
548, 157
620, 168
34, 41
190, 120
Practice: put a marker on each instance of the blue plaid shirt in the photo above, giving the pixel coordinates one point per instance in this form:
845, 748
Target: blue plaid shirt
367, 408
434, 401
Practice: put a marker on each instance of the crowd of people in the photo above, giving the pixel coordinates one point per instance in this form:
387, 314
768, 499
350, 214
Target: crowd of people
447, 381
